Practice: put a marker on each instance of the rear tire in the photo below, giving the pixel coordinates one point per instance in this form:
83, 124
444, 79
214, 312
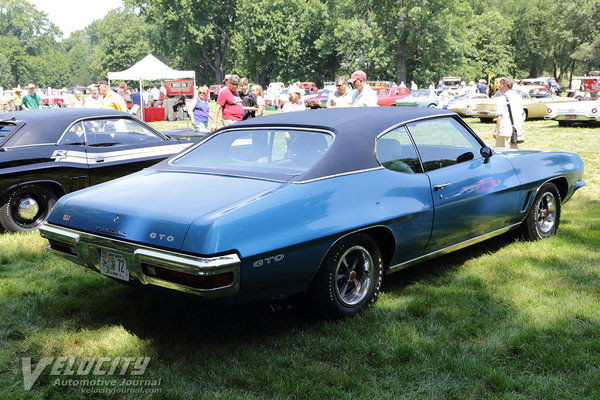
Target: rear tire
544, 217
349, 279
486, 120
26, 207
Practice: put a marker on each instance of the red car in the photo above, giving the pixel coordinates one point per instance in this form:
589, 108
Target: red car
213, 91
387, 96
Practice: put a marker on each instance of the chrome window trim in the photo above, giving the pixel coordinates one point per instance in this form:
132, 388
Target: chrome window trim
87, 245
255, 128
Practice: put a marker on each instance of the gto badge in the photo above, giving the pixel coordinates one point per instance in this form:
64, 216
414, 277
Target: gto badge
161, 236
268, 260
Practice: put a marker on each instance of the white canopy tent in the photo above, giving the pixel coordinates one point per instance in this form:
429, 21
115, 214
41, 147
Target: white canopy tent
150, 68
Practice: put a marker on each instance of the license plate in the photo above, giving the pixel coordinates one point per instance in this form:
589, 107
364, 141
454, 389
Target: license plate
571, 117
113, 265
483, 114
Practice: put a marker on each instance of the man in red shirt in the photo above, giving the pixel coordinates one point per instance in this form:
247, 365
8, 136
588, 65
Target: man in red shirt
230, 103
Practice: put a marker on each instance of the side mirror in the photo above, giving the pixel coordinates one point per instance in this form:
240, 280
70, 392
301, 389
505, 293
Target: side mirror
486, 152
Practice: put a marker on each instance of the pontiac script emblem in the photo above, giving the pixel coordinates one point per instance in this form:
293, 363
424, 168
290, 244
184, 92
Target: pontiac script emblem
111, 231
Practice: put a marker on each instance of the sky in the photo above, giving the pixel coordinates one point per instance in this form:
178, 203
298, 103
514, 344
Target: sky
73, 15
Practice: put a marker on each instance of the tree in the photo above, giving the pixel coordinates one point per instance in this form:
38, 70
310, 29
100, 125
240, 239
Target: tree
194, 32
123, 40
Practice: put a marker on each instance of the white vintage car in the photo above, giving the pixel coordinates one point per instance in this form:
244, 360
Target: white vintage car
465, 102
582, 111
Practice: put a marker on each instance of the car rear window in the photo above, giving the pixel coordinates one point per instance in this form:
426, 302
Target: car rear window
270, 153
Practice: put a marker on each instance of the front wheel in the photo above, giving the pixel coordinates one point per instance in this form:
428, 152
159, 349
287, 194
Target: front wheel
26, 207
542, 221
349, 279
432, 106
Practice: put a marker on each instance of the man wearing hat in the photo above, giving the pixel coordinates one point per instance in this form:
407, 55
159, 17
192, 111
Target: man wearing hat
364, 96
31, 101
295, 103
18, 101
230, 103
482, 87
112, 100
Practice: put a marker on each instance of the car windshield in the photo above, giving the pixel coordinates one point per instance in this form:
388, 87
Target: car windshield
278, 154
420, 93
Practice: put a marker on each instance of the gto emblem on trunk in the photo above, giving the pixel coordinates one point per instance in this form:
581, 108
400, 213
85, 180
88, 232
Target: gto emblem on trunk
268, 260
161, 236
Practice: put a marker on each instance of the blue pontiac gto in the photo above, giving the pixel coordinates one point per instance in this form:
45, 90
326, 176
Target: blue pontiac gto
323, 202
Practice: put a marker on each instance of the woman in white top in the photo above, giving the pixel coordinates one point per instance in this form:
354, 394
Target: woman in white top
77, 101
260, 100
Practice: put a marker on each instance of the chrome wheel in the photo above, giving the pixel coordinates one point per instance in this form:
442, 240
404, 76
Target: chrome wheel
354, 275
544, 217
546, 212
28, 208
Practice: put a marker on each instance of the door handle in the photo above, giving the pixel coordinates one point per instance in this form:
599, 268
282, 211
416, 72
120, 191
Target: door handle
99, 159
440, 187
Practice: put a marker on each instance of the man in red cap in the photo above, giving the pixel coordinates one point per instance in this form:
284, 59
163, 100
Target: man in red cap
364, 96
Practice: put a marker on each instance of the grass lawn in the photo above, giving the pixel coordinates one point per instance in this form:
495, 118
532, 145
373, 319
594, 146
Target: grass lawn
504, 319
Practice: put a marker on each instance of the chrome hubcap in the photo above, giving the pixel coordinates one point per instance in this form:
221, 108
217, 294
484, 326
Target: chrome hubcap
546, 215
28, 208
354, 274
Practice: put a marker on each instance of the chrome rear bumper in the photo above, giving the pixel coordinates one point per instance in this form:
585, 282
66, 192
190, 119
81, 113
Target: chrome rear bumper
209, 277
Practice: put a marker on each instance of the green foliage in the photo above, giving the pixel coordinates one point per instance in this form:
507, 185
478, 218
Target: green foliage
122, 41
398, 40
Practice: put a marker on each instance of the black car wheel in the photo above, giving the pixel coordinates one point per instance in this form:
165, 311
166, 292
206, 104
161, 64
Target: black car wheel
26, 207
350, 277
543, 219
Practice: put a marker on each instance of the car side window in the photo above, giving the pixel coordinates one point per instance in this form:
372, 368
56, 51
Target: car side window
395, 151
118, 132
442, 142
74, 136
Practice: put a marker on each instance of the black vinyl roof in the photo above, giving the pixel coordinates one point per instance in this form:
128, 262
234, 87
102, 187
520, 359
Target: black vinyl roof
48, 124
355, 129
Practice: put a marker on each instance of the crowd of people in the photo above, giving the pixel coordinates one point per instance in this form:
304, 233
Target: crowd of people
237, 101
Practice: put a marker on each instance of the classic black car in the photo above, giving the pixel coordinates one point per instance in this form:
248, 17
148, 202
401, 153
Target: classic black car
47, 153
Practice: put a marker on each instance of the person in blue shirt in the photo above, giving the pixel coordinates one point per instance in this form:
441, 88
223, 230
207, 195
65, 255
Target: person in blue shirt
199, 113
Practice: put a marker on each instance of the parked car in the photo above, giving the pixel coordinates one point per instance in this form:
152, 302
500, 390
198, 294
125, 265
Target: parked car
387, 96
587, 110
47, 153
585, 84
214, 90
309, 88
463, 103
420, 98
452, 82
320, 100
536, 100
281, 209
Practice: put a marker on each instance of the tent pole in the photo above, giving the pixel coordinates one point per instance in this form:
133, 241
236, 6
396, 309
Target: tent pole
141, 100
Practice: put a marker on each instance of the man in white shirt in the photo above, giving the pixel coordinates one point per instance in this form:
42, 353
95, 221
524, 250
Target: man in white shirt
155, 93
508, 118
341, 97
364, 96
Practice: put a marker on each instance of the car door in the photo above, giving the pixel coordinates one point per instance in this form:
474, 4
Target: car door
70, 159
120, 146
472, 195
408, 192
